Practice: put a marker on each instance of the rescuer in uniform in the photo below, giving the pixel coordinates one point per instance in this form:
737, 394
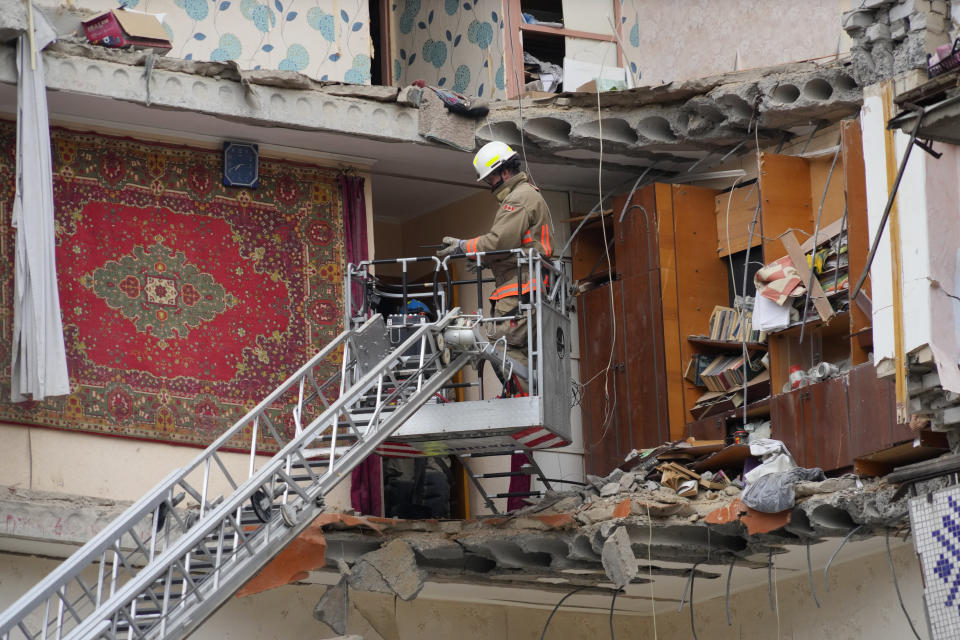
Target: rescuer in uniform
521, 222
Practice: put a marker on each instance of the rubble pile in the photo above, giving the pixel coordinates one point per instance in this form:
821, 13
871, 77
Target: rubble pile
664, 510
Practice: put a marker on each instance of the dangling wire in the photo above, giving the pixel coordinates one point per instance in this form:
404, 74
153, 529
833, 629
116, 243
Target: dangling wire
773, 606
813, 591
543, 634
613, 601
896, 585
733, 561
830, 561
693, 627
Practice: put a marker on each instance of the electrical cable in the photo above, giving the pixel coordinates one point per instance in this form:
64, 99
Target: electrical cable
896, 585
516, 76
776, 591
733, 281
653, 603
813, 591
609, 406
770, 579
598, 207
830, 561
543, 634
733, 561
693, 627
816, 240
613, 601
744, 353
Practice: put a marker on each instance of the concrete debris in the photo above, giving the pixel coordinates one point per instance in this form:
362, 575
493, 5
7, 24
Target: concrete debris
618, 560
13, 19
333, 608
708, 115
666, 128
392, 569
610, 489
57, 517
894, 37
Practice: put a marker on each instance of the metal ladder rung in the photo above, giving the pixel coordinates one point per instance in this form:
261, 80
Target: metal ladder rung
526, 471
517, 494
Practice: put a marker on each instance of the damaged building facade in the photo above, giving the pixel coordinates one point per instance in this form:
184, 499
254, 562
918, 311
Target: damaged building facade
714, 206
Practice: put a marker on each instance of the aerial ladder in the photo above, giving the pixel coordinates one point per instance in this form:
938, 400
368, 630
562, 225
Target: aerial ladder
179, 553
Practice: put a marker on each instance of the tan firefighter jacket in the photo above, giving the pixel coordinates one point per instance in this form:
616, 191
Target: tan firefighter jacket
522, 222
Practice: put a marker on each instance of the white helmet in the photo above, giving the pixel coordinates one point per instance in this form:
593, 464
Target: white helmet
490, 157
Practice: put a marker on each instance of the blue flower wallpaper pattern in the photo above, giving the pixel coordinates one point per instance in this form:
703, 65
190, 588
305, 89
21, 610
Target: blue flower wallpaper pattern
454, 44
323, 39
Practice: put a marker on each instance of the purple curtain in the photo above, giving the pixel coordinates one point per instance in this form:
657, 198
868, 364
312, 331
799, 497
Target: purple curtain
365, 480
518, 483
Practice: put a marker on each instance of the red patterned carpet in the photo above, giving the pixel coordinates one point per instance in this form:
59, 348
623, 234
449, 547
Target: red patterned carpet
184, 302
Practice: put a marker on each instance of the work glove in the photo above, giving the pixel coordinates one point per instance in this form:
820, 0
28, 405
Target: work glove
451, 247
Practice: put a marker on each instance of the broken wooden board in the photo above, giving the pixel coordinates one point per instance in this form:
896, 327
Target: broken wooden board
799, 260
730, 457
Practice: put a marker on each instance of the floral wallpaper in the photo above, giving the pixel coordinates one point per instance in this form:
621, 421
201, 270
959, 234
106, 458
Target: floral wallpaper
453, 44
324, 39
630, 35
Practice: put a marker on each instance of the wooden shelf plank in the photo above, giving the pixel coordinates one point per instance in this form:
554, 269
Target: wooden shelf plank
726, 345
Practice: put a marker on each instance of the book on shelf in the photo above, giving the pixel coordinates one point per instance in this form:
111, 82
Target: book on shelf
714, 402
717, 402
695, 367
727, 372
730, 325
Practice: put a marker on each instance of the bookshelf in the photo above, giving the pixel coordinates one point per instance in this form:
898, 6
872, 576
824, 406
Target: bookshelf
725, 346
673, 272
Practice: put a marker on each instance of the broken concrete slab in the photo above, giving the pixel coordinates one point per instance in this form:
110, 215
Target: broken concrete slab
333, 608
610, 489
391, 569
57, 517
618, 560
379, 93
13, 19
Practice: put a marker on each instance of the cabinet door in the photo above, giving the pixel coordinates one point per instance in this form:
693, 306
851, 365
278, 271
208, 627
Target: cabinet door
713, 428
873, 415
640, 315
606, 437
827, 428
787, 417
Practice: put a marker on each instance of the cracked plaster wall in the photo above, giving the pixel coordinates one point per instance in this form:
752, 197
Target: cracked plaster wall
861, 604
665, 40
85, 464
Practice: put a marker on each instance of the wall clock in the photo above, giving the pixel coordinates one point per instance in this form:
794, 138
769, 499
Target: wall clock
241, 164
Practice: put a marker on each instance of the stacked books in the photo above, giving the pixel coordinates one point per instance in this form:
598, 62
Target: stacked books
726, 373
730, 325
718, 402
696, 366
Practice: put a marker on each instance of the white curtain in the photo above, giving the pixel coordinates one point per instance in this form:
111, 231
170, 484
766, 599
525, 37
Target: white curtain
39, 362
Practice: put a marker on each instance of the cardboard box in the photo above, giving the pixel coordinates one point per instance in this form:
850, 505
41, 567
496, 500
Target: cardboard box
118, 28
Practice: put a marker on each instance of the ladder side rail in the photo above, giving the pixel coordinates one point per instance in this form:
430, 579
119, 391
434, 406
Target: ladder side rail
181, 624
198, 532
112, 536
532, 318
